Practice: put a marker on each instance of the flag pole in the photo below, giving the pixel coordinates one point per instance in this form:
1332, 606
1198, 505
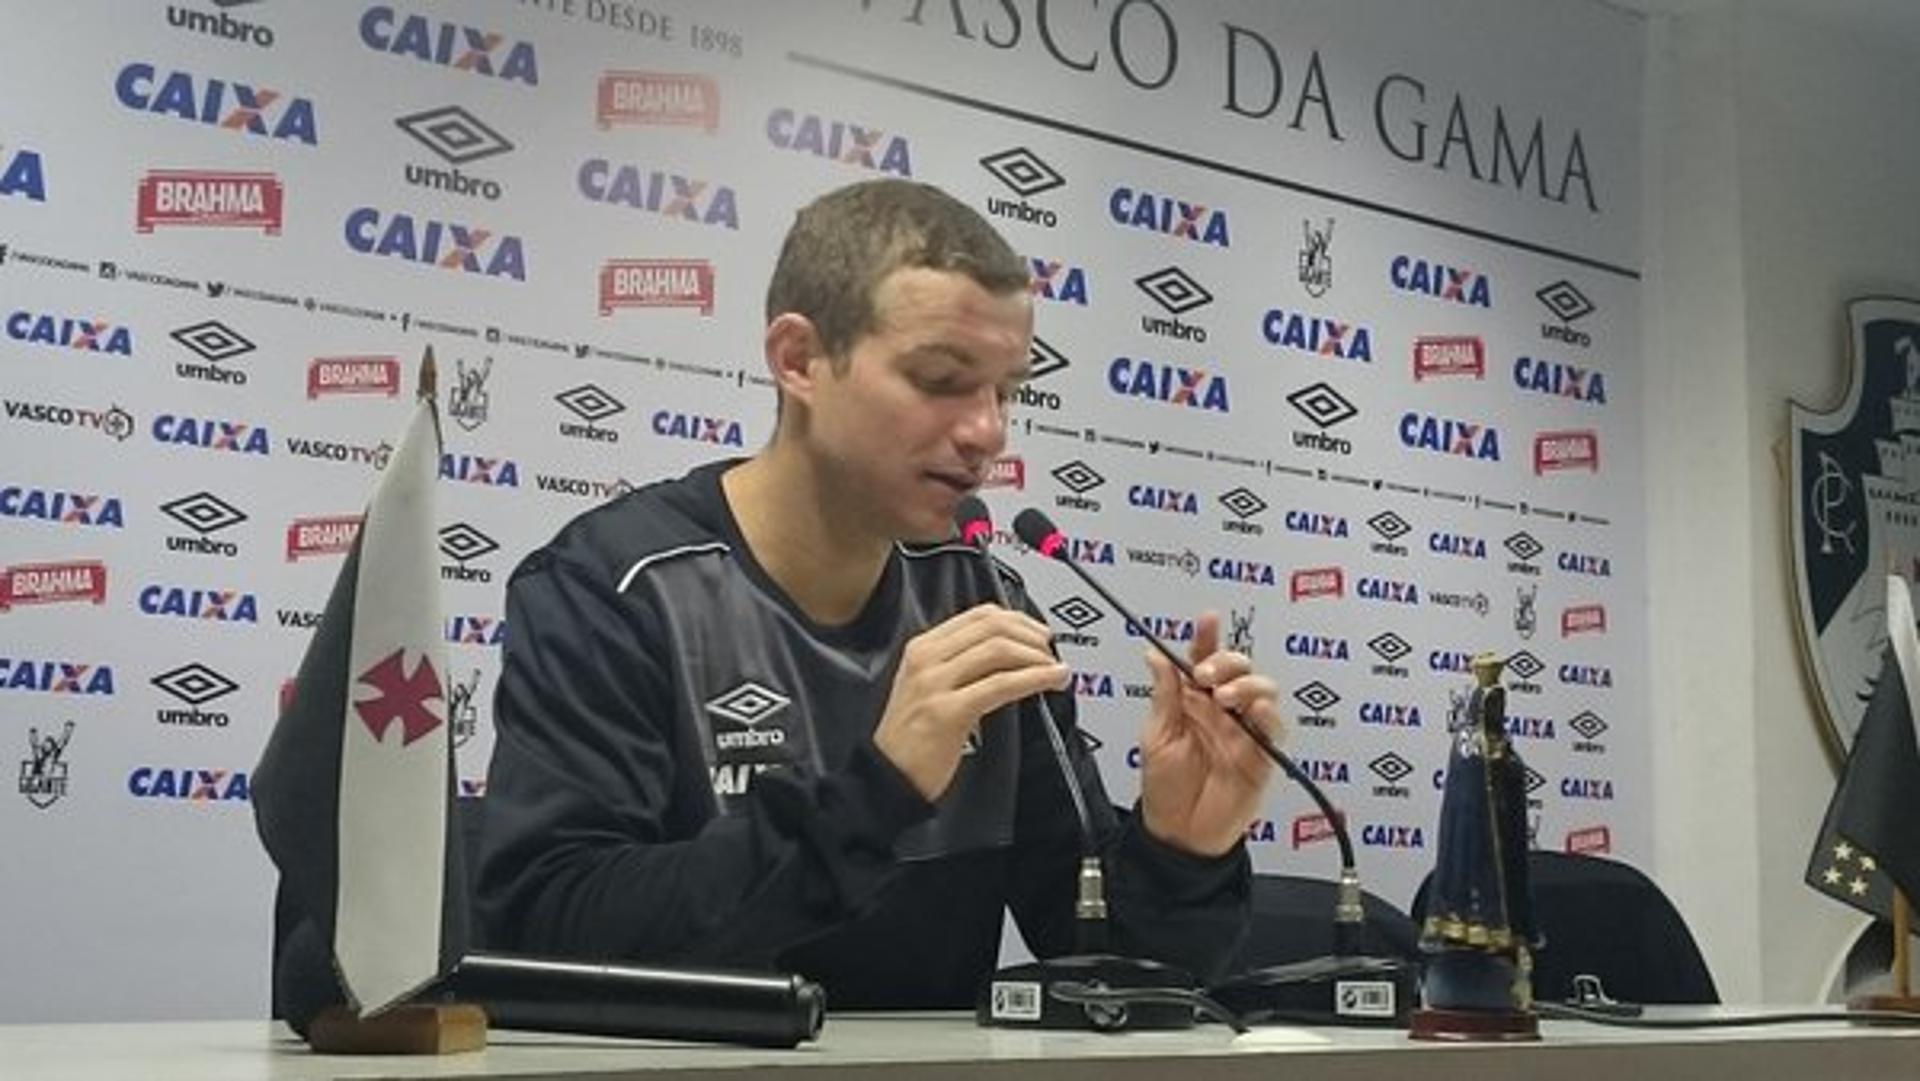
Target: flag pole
1902, 948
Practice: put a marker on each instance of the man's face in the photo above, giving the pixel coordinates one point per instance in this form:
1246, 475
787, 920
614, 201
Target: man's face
917, 415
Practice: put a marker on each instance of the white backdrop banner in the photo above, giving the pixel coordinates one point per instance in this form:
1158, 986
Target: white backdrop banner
1337, 337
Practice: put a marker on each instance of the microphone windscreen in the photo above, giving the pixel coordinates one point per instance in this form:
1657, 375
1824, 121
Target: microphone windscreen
1037, 532
974, 521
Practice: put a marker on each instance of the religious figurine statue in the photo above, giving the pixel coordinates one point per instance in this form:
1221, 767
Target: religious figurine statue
1479, 932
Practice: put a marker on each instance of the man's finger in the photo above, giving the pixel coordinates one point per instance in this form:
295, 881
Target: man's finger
985, 658
1206, 642
981, 697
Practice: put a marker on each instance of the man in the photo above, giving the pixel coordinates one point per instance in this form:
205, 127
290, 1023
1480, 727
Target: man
742, 724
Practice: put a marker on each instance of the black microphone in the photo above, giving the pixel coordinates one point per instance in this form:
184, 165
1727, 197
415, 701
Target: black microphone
1354, 985
554, 995
1089, 988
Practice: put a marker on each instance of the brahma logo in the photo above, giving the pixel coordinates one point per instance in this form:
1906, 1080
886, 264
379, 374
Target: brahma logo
220, 25
657, 99
1560, 380
66, 508
189, 785
463, 544
1590, 841
656, 283
112, 421
1568, 305
446, 245
217, 103
1317, 335
55, 677
89, 335
1054, 280
669, 195
1174, 217
212, 341
476, 630
1556, 452
1313, 583
1457, 284
1316, 647
1326, 408
486, 472
329, 376
459, 138
328, 536
1171, 500
199, 198
462, 48
205, 514
1437, 357
1442, 435
1312, 829
1387, 591
1583, 619
1458, 545
24, 175
1168, 383
1315, 524
836, 140
721, 431
1022, 171
1175, 290
234, 436
1584, 563
592, 405
53, 583
218, 605
1008, 472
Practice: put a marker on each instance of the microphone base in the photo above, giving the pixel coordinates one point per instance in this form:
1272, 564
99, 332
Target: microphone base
1369, 992
1022, 996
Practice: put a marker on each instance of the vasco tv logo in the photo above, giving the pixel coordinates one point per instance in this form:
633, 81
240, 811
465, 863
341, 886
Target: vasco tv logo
449, 45
446, 245
669, 195
221, 103
113, 421
458, 138
840, 141
1026, 175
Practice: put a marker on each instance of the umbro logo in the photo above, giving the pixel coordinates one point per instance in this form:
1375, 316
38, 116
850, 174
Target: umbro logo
748, 704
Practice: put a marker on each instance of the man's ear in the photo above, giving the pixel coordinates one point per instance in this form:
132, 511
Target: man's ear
792, 347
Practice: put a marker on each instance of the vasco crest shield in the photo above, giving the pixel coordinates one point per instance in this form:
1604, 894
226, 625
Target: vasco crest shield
1855, 510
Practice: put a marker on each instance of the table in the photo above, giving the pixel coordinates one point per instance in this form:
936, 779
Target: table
935, 1047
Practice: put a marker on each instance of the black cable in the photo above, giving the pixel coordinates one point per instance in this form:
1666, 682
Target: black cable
1083, 994
1561, 1012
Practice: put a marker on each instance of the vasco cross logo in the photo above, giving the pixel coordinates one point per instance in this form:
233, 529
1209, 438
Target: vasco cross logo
43, 773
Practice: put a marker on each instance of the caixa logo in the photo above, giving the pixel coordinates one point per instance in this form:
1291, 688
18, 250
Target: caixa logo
1315, 524
1317, 335
721, 431
1165, 628
1560, 380
1163, 214
447, 245
669, 195
1442, 435
66, 508
189, 785
1055, 280
182, 602
1092, 685
1586, 675
1171, 500
1585, 563
23, 175
486, 472
1587, 788
1168, 383
1392, 835
450, 45
1387, 591
1456, 284
239, 437
217, 103
1457, 545
476, 630
1390, 714
89, 335
1244, 572
1317, 647
55, 677
840, 141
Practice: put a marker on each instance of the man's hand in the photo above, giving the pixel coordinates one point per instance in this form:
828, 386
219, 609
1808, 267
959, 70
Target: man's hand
950, 676
1201, 776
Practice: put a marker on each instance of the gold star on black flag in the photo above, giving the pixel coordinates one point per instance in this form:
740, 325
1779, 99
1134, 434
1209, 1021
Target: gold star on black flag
1845, 872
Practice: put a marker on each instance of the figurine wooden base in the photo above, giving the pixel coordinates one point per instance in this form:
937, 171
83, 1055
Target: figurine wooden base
1474, 1026
1886, 1003
404, 1030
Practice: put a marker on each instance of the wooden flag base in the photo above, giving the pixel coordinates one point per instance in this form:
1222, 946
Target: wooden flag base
404, 1030
1888, 1003
1474, 1026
